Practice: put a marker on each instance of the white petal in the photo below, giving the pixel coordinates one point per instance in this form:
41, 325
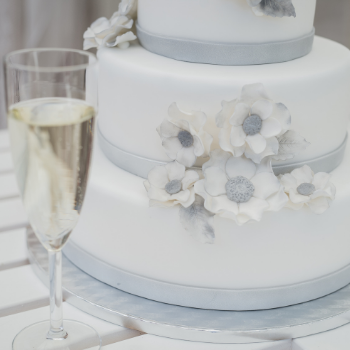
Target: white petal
241, 112
321, 180
238, 136
289, 182
158, 176
265, 166
270, 127
294, 206
254, 208
166, 204
198, 146
158, 194
218, 159
178, 117
90, 43
271, 148
221, 204
215, 181
253, 92
89, 34
175, 171
278, 200
303, 175
297, 198
262, 108
257, 11
172, 146
207, 140
319, 205
167, 129
224, 140
257, 143
181, 196
186, 156
190, 199
223, 117
266, 184
239, 151
122, 41
240, 167
191, 176
100, 24
282, 115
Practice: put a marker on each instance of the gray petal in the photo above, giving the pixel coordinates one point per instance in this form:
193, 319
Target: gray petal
277, 8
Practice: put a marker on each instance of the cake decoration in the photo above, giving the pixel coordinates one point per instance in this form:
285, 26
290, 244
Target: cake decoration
304, 188
251, 123
116, 31
171, 184
274, 8
236, 188
183, 137
237, 182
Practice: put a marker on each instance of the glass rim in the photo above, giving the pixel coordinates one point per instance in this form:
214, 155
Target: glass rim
54, 69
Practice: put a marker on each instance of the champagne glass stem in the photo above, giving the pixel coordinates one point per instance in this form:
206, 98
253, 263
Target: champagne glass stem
56, 331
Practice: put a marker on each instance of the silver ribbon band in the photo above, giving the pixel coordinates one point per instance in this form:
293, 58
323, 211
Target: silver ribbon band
207, 298
141, 166
225, 53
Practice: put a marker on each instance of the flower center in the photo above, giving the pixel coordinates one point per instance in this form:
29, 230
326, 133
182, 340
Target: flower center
252, 124
173, 186
306, 189
239, 189
185, 138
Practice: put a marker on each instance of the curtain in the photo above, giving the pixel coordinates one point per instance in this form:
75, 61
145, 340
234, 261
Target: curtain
61, 23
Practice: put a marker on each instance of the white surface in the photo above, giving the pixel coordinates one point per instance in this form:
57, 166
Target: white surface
6, 164
285, 248
8, 186
4, 141
137, 87
13, 250
21, 291
150, 342
12, 214
222, 21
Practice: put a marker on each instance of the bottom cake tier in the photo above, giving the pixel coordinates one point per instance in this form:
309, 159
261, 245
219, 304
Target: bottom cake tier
287, 258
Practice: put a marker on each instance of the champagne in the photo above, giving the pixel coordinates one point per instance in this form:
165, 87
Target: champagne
52, 142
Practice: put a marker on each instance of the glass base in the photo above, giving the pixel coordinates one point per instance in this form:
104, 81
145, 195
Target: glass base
80, 337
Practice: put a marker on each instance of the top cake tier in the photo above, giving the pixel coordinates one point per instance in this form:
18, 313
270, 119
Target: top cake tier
226, 32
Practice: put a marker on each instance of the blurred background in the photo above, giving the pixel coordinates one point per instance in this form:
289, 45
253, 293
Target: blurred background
61, 23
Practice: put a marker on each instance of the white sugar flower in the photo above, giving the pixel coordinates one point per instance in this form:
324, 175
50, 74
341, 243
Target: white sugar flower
112, 32
274, 8
236, 188
170, 185
183, 137
306, 188
127, 8
251, 123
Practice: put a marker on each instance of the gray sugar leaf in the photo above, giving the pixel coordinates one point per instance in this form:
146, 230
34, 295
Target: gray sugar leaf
198, 221
277, 8
290, 144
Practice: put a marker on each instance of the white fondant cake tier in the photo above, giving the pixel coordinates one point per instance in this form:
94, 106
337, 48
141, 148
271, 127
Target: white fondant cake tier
289, 257
223, 21
136, 88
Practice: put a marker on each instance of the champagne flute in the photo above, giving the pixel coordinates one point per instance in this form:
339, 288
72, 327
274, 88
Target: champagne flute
51, 115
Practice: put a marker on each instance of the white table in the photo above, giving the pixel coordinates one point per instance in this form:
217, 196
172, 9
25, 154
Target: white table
24, 299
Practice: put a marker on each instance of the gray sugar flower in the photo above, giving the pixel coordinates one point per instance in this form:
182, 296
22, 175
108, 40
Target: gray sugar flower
183, 137
170, 185
304, 188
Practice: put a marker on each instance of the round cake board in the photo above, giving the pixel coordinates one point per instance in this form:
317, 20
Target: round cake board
172, 321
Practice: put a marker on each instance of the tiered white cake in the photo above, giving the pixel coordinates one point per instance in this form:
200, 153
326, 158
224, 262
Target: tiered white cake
279, 256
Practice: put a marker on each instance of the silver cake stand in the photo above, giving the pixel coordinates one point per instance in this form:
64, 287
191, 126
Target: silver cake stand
127, 310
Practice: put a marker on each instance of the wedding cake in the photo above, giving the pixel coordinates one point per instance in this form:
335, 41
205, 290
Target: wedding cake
219, 179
